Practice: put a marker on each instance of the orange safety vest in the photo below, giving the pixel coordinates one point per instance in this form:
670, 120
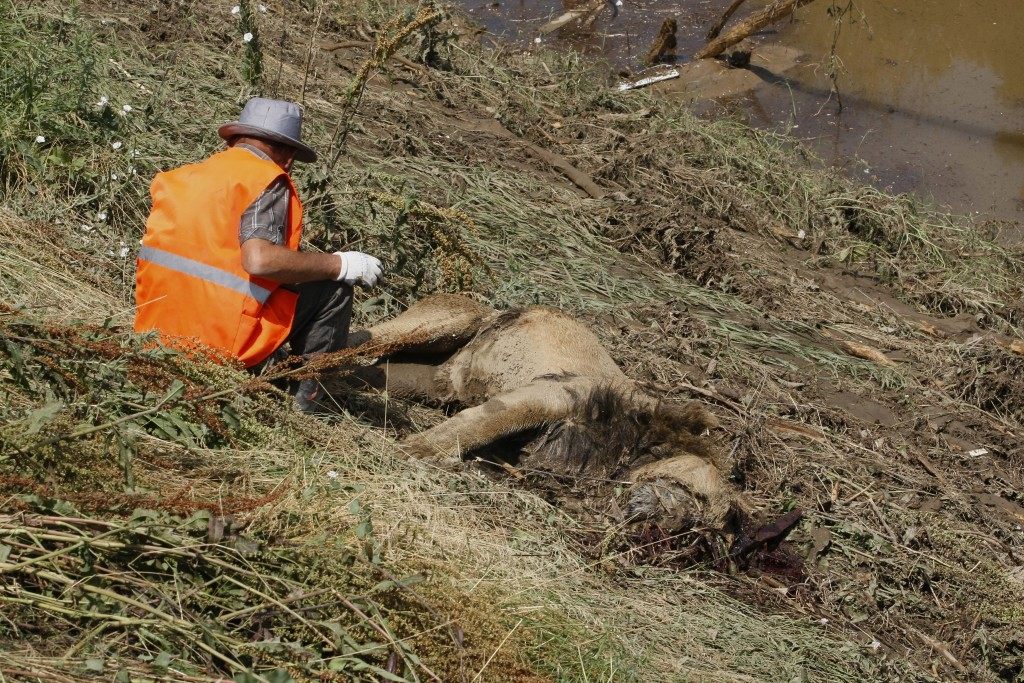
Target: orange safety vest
190, 285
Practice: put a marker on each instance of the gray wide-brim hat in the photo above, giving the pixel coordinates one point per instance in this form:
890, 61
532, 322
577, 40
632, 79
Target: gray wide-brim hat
277, 121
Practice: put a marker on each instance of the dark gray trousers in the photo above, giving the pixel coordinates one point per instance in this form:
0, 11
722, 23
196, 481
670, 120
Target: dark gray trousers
322, 316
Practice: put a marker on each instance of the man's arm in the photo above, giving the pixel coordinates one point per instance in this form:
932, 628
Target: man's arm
261, 234
263, 258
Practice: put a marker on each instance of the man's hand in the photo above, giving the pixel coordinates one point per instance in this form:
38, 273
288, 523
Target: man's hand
358, 267
263, 258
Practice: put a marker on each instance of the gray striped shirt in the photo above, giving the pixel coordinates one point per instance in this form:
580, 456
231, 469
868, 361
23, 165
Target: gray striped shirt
267, 217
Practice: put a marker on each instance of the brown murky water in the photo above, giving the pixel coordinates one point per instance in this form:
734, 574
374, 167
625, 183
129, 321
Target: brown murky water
932, 90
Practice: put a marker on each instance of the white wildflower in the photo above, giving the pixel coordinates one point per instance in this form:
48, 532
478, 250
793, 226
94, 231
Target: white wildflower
85, 228
40, 139
236, 9
126, 108
263, 8
113, 176
801, 234
875, 645
537, 40
247, 37
123, 251
101, 216
103, 101
332, 474
823, 621
117, 145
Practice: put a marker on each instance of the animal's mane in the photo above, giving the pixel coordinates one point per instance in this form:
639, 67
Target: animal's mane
610, 432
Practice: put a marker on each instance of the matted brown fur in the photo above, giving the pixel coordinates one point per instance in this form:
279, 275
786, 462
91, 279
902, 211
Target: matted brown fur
608, 434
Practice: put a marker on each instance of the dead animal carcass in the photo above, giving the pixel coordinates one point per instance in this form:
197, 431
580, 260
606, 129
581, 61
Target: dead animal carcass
539, 390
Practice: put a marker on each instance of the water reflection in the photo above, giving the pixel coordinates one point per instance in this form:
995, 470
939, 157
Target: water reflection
936, 87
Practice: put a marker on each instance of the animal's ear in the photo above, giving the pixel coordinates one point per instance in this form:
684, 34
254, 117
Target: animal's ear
692, 417
741, 511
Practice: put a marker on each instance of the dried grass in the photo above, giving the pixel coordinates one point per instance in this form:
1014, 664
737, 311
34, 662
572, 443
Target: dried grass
758, 336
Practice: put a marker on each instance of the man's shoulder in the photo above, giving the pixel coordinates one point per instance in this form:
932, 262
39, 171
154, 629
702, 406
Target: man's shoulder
233, 164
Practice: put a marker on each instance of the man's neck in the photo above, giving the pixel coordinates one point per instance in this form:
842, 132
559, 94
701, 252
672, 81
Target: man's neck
255, 150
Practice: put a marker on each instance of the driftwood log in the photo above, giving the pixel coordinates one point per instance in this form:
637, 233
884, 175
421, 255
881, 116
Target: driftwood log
769, 15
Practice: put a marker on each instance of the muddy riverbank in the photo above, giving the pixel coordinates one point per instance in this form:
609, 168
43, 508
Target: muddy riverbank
932, 94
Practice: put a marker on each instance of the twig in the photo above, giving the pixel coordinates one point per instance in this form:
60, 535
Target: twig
350, 44
309, 52
717, 28
878, 513
938, 647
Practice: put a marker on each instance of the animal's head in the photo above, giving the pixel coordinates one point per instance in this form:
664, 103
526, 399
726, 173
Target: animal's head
661, 448
686, 485
683, 492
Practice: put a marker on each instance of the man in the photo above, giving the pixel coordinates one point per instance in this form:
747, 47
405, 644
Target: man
220, 262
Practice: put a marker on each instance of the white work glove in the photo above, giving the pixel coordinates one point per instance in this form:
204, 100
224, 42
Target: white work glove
358, 267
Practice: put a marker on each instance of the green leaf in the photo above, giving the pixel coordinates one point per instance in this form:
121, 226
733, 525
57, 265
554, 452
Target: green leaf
364, 529
184, 427
279, 676
163, 660
164, 426
231, 417
176, 390
5, 552
411, 580
39, 418
94, 665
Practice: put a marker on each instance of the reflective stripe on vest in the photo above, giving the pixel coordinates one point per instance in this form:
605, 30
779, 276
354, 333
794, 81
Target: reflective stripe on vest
204, 271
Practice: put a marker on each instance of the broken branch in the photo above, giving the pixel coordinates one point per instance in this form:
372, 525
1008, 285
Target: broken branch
717, 28
587, 12
747, 28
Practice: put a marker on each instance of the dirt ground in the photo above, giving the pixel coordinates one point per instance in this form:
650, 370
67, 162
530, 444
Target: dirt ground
859, 378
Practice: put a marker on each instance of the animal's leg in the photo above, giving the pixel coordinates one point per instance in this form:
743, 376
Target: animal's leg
504, 415
434, 324
416, 381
